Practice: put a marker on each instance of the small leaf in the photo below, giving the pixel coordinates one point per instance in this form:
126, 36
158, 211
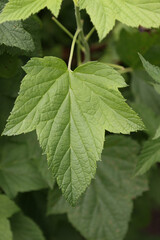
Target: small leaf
104, 210
149, 156
17, 10
104, 13
70, 111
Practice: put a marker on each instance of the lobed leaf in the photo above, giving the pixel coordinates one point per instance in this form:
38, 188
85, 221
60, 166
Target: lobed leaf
104, 13
17, 10
70, 111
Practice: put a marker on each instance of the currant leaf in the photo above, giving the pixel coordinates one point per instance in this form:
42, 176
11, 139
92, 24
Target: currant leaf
104, 13
17, 10
70, 111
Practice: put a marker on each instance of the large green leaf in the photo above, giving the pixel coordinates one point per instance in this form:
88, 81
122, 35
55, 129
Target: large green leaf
149, 156
104, 13
17, 10
105, 209
25, 229
70, 111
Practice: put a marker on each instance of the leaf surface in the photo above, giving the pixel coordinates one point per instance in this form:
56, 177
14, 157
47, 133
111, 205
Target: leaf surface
104, 210
25, 228
149, 156
20, 171
70, 111
104, 13
17, 10
7, 209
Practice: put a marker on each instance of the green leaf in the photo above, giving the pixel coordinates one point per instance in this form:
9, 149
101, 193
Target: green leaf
132, 41
149, 156
70, 111
17, 10
105, 209
104, 13
5, 230
13, 34
153, 71
19, 171
25, 229
7, 207
143, 92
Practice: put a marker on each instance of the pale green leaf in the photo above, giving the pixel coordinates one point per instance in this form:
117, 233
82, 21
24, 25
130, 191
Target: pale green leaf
70, 111
24, 228
105, 209
149, 156
104, 13
5, 229
17, 10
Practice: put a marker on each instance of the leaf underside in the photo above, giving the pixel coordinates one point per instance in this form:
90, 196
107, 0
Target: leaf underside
70, 112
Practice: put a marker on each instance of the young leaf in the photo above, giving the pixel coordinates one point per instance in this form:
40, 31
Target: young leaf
149, 156
70, 111
17, 10
25, 229
104, 13
105, 209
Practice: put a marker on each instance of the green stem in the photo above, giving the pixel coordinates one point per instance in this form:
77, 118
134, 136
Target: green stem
81, 34
78, 55
90, 33
125, 70
72, 49
67, 32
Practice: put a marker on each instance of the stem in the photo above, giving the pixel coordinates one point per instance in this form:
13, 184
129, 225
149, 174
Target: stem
116, 66
67, 32
90, 34
126, 70
82, 37
72, 49
78, 55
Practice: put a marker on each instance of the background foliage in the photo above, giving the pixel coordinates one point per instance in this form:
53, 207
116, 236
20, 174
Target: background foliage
31, 205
